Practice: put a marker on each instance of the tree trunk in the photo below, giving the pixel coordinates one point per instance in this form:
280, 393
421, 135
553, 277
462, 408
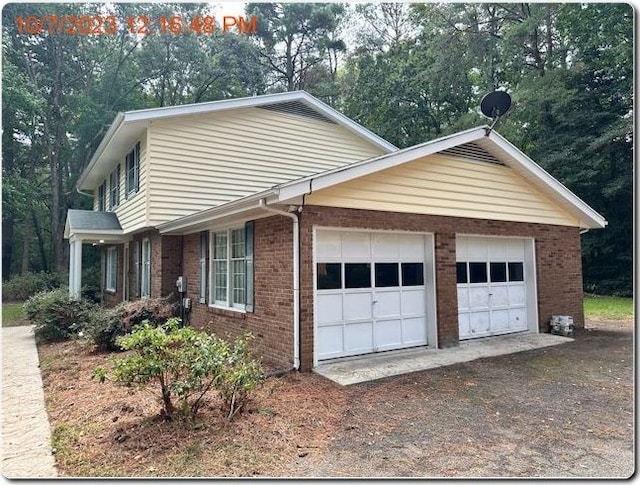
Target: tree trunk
7, 245
27, 234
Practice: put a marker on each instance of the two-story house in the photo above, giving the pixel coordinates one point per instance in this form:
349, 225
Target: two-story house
287, 219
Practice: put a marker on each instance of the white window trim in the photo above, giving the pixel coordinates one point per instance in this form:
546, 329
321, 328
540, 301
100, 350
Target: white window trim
134, 188
225, 304
111, 273
114, 183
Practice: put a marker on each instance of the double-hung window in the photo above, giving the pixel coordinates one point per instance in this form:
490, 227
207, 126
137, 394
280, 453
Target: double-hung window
102, 196
114, 188
231, 268
112, 269
133, 170
145, 283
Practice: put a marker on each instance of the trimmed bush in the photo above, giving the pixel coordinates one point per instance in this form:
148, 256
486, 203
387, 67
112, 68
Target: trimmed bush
187, 364
105, 328
57, 317
21, 287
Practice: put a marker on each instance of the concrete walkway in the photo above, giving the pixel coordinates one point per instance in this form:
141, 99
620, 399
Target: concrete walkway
376, 366
26, 436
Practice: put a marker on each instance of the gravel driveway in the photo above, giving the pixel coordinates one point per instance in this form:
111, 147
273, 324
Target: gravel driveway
565, 411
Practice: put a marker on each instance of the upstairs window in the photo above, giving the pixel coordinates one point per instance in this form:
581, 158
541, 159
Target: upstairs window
102, 197
133, 170
114, 188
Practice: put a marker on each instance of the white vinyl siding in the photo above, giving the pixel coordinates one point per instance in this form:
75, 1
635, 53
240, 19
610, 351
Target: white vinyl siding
111, 272
447, 186
203, 161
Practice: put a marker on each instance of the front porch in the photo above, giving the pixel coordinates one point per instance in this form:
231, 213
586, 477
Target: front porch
88, 227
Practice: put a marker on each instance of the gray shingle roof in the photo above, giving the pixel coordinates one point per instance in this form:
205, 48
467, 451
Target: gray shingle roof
83, 220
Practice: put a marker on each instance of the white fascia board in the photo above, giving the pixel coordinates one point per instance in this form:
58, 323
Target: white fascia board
110, 234
347, 122
372, 165
108, 137
550, 183
233, 208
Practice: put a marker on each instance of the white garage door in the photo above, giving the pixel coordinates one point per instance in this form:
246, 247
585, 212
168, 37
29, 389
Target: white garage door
496, 286
371, 292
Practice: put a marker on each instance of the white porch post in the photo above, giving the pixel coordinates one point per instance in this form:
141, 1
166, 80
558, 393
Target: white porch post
75, 268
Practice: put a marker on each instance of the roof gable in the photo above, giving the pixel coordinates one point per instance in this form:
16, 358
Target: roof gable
130, 126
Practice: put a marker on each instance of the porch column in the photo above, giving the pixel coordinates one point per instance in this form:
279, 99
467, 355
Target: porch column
75, 267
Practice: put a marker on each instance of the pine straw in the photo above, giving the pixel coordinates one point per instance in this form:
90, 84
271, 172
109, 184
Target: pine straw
108, 430
558, 411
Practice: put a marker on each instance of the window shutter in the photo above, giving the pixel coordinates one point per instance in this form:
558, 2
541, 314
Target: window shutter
248, 240
137, 165
136, 268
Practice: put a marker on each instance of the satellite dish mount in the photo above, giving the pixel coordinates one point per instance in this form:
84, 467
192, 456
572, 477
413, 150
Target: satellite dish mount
494, 105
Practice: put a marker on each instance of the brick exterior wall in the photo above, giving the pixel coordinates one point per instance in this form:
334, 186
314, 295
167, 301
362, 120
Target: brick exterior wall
558, 263
271, 321
558, 268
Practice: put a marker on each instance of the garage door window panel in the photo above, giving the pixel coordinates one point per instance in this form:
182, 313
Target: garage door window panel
516, 272
386, 275
462, 275
357, 275
412, 274
329, 276
477, 272
498, 272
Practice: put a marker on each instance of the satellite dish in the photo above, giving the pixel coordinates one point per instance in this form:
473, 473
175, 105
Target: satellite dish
494, 105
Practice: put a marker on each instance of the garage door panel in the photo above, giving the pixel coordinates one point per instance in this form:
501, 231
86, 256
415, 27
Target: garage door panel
330, 341
414, 331
411, 247
499, 296
357, 306
500, 320
388, 304
463, 298
329, 246
465, 325
356, 246
388, 334
329, 309
515, 249
518, 318
413, 302
517, 295
479, 297
358, 337
479, 323
385, 247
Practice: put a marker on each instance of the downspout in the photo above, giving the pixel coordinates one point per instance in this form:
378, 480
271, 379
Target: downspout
296, 278
584, 231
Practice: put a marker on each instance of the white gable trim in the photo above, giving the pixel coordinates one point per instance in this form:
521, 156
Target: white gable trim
504, 151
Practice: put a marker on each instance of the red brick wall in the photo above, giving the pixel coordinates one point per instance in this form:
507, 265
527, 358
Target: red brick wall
558, 265
271, 322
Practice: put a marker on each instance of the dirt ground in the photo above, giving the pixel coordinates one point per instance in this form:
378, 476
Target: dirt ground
564, 411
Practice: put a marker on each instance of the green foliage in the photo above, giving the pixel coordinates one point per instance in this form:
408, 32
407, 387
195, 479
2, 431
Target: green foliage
106, 326
187, 364
56, 316
21, 287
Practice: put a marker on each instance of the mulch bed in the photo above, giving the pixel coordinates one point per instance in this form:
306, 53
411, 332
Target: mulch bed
559, 411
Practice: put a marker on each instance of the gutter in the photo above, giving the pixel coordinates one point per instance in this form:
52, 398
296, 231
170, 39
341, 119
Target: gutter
296, 277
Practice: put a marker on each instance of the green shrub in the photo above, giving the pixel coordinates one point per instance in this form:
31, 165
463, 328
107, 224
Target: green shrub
187, 364
117, 322
21, 287
56, 316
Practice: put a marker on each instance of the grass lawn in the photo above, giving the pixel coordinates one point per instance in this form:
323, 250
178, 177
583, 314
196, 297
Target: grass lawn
12, 315
608, 307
